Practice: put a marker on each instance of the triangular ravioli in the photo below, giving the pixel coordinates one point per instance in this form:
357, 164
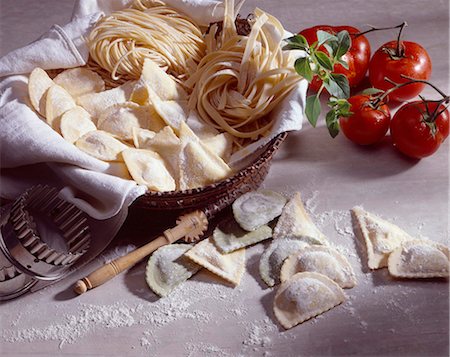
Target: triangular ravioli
167, 268
199, 166
296, 222
320, 259
120, 119
149, 169
229, 236
159, 81
380, 236
304, 296
96, 103
230, 266
168, 145
419, 259
221, 144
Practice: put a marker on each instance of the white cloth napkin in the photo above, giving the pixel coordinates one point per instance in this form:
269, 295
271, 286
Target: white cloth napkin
27, 141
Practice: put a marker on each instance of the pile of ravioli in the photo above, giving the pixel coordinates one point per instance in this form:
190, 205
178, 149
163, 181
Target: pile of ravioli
141, 128
389, 246
311, 274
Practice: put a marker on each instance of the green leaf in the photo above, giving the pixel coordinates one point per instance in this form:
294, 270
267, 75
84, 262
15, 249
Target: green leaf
371, 91
312, 109
345, 42
303, 68
344, 63
338, 86
297, 42
323, 36
324, 60
332, 121
329, 49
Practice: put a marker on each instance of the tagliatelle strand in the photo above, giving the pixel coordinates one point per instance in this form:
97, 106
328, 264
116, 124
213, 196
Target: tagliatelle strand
242, 78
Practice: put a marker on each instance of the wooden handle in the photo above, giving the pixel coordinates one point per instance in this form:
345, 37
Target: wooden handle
186, 226
110, 270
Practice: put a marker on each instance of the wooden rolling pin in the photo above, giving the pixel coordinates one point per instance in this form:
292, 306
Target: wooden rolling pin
190, 227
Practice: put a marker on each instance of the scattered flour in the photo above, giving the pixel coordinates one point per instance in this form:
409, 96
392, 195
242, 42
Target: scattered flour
73, 327
195, 349
258, 333
193, 301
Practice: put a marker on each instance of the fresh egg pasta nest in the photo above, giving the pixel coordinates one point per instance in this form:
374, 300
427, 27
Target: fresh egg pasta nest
242, 78
121, 42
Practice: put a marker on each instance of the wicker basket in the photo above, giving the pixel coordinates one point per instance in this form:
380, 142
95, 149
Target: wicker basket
213, 198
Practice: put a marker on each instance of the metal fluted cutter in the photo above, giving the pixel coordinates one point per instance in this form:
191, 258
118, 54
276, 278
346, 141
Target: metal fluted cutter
41, 237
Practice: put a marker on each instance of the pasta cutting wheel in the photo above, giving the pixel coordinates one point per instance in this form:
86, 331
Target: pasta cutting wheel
199, 225
41, 237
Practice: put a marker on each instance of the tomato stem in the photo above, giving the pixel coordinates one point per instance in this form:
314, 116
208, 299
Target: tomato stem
399, 85
373, 28
431, 117
400, 51
421, 81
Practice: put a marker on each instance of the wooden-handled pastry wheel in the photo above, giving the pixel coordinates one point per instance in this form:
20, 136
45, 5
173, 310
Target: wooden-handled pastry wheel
190, 227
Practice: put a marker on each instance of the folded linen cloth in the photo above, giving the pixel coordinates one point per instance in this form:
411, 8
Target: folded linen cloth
27, 141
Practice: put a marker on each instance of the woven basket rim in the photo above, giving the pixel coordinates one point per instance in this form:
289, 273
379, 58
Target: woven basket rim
221, 186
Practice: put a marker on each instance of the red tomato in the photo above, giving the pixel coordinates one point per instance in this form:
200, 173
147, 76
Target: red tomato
412, 135
414, 63
366, 125
357, 57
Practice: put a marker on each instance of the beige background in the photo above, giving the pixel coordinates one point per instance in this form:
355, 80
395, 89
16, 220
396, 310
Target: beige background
381, 317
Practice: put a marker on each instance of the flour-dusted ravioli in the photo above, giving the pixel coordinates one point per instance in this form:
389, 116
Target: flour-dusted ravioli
304, 296
419, 259
273, 257
380, 236
101, 145
199, 166
323, 260
58, 102
96, 103
80, 81
38, 85
120, 119
168, 145
230, 266
229, 236
256, 208
221, 144
148, 168
167, 268
295, 221
141, 136
75, 123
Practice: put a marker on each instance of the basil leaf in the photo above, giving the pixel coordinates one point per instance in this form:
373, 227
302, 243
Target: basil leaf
338, 86
324, 60
345, 43
371, 91
297, 42
332, 121
323, 36
303, 68
343, 63
312, 109
329, 49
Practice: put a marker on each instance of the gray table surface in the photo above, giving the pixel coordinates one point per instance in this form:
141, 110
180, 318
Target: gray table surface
381, 317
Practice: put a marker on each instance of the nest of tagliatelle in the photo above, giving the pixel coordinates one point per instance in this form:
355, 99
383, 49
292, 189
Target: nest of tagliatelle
176, 106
